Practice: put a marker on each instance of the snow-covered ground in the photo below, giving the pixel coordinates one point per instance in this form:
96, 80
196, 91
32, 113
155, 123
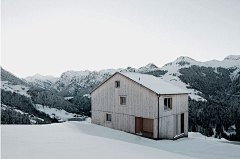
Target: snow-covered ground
89, 141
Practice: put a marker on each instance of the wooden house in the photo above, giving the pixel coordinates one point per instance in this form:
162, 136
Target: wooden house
141, 104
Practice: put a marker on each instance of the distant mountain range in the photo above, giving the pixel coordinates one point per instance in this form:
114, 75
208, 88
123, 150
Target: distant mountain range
72, 83
212, 84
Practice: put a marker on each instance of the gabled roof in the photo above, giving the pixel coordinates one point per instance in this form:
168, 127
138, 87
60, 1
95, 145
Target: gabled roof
154, 84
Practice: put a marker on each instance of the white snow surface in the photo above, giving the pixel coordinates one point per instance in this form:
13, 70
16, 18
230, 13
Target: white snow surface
59, 114
155, 84
89, 141
22, 90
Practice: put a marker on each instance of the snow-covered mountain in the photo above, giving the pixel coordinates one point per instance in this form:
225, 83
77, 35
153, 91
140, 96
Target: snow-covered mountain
71, 83
41, 81
19, 94
231, 61
184, 61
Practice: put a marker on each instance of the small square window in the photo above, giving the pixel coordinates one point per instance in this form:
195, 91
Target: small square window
117, 84
167, 103
108, 117
123, 100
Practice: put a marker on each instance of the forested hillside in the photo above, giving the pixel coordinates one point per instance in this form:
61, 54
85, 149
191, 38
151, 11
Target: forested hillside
222, 108
53, 100
7, 76
15, 93
22, 103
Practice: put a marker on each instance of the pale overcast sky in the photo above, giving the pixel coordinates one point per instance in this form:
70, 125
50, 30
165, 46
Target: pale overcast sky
53, 36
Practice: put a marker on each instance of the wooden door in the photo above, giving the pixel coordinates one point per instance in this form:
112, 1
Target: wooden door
138, 125
144, 127
148, 125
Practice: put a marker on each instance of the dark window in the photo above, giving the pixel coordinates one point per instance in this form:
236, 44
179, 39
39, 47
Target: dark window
123, 100
167, 103
108, 117
117, 84
182, 123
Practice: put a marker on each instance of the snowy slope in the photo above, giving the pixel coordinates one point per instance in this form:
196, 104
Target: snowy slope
89, 141
20, 89
54, 112
232, 61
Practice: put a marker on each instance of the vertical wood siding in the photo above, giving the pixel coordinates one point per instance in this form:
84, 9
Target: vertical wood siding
140, 102
170, 121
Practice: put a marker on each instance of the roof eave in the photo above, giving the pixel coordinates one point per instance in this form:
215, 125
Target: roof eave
171, 93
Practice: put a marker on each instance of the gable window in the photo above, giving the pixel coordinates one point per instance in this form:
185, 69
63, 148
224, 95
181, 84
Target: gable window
167, 103
122, 100
117, 84
108, 117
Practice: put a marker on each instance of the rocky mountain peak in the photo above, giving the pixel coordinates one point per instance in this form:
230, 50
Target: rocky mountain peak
185, 58
232, 57
151, 65
147, 68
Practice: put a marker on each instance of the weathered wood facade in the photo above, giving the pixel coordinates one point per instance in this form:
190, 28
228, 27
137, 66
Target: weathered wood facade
144, 110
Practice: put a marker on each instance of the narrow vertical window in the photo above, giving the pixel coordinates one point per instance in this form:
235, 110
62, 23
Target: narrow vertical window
108, 117
167, 103
117, 84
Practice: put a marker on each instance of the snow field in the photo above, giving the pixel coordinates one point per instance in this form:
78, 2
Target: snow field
90, 141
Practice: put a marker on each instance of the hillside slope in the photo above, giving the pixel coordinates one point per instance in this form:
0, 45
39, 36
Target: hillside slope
18, 94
